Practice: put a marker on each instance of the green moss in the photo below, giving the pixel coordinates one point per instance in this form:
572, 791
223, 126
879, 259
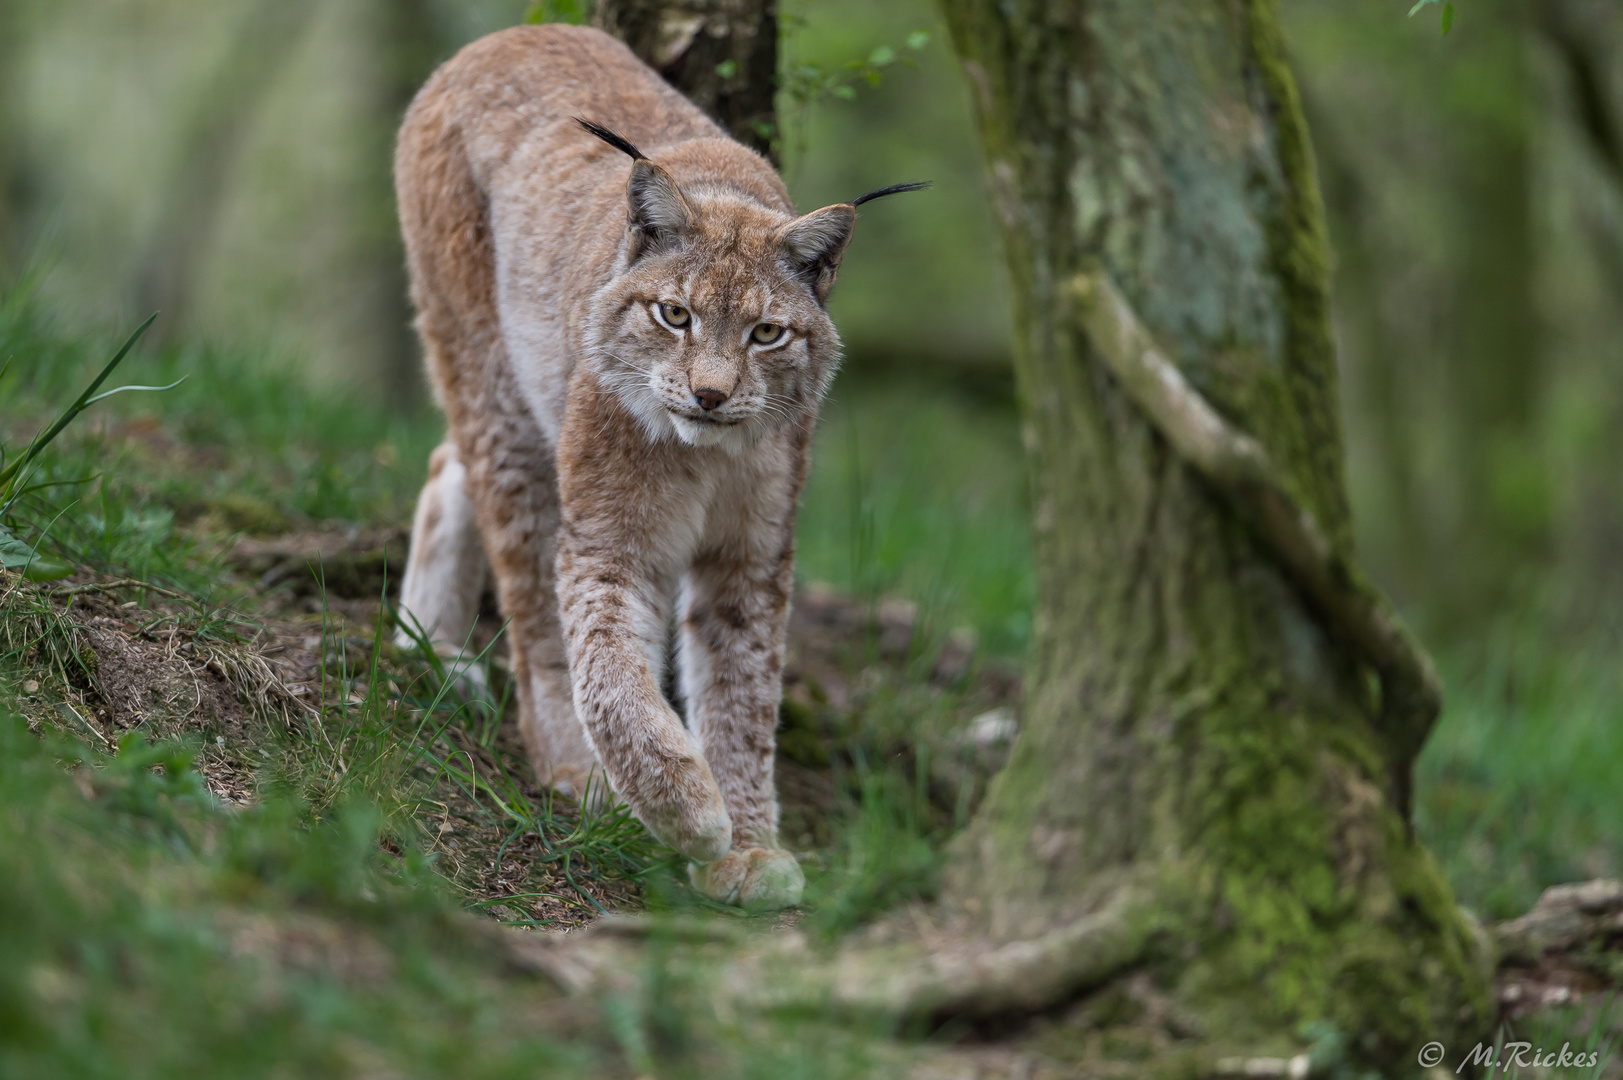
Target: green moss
1300, 253
1321, 905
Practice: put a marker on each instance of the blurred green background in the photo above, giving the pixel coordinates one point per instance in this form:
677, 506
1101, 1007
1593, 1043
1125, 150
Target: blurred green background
228, 162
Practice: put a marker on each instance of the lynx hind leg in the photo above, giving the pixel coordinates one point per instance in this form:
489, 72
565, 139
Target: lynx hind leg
562, 757
445, 571
515, 488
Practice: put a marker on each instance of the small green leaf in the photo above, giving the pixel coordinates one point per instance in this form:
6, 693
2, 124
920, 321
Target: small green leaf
17, 555
727, 68
845, 93
918, 39
46, 568
572, 12
882, 56
1448, 12
13, 552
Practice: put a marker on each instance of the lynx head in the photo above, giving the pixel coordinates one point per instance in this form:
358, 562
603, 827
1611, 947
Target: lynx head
713, 327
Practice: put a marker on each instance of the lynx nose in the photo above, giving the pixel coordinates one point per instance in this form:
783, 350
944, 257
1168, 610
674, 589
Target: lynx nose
708, 399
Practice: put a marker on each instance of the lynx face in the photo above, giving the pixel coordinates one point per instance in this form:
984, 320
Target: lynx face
714, 331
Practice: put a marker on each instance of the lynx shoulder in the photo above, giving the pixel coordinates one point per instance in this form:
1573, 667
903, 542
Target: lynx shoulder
624, 322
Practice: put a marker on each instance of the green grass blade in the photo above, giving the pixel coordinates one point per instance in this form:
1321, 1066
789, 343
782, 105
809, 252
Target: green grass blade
120, 389
44, 439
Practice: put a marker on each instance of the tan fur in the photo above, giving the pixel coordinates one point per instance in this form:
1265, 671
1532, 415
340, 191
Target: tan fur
611, 501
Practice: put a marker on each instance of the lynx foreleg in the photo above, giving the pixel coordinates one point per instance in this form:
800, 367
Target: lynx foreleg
731, 653
612, 625
445, 570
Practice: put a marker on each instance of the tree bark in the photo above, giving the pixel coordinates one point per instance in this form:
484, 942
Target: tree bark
722, 54
1204, 755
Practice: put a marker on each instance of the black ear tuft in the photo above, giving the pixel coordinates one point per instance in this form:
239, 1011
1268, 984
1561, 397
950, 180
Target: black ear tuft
894, 189
618, 141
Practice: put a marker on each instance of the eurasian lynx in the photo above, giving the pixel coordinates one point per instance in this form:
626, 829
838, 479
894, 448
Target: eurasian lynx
631, 354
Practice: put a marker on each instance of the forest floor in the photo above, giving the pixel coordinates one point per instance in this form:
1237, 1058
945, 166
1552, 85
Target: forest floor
245, 834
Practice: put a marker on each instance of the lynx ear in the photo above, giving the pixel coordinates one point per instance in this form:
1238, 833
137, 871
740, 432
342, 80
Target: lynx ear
660, 215
813, 244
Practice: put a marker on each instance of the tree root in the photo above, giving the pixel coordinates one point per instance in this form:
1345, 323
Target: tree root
1573, 936
1577, 927
977, 979
950, 976
1239, 467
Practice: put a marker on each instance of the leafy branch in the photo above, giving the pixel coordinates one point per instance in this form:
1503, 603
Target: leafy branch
572, 12
806, 84
1448, 12
801, 85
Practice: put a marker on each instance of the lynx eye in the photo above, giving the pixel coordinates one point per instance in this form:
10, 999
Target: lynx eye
767, 333
674, 316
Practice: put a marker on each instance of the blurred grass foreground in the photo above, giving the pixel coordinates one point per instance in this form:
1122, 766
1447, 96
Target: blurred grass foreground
241, 831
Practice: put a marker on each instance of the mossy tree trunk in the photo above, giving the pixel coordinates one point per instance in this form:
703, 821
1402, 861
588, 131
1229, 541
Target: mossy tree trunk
1198, 735
722, 54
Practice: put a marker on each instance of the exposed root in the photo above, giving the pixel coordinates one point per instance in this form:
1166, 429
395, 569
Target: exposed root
945, 976
1570, 946
1239, 467
973, 978
937, 976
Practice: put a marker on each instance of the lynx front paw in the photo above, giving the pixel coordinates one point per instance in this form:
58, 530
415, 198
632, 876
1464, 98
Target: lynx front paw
693, 821
760, 879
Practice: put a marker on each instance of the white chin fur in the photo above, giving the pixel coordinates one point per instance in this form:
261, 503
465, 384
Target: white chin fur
732, 437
